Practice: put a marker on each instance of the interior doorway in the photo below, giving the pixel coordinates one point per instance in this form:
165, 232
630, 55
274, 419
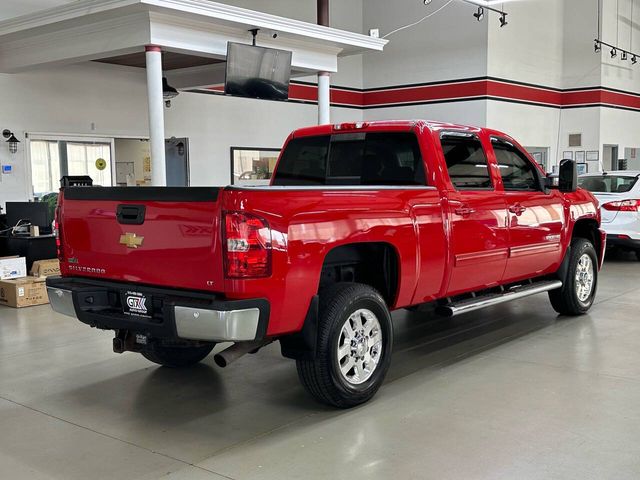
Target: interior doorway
610, 157
133, 162
177, 158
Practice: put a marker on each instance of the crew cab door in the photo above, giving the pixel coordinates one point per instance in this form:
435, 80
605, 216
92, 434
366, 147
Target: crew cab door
477, 215
536, 217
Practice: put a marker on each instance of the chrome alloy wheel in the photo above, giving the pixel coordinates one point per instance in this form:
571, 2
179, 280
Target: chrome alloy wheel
359, 346
584, 278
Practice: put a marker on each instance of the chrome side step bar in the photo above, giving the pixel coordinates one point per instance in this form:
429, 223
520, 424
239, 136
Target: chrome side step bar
482, 301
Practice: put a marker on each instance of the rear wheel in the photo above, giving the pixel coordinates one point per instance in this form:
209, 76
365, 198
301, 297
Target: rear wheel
177, 356
355, 338
579, 289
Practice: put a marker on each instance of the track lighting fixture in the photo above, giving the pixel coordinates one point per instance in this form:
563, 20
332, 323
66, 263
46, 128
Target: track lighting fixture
479, 14
503, 20
427, 2
599, 44
615, 50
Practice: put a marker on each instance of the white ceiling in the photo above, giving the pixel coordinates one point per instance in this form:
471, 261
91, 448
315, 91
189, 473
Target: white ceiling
15, 8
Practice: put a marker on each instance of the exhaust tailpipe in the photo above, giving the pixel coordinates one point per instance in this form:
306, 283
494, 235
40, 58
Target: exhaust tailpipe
237, 350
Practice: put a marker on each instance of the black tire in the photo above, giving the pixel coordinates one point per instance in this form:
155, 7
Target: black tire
565, 300
321, 376
177, 356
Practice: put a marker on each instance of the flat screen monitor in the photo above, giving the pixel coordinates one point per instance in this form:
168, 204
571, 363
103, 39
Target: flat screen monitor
257, 72
35, 213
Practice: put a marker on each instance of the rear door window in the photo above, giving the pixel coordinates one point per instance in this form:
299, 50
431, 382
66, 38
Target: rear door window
376, 159
466, 161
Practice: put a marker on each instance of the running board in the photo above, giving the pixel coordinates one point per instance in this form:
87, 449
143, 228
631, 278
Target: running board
482, 301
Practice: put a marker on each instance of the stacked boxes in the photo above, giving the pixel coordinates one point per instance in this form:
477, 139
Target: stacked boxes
19, 290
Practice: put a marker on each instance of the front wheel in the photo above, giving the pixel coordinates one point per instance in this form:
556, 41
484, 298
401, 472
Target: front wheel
177, 356
355, 338
579, 289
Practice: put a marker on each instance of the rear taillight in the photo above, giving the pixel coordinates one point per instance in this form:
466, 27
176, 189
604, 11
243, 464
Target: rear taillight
623, 206
247, 245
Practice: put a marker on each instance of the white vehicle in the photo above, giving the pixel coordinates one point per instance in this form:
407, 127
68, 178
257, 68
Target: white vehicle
619, 196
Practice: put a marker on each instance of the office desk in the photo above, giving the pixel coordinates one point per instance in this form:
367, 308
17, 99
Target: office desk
32, 248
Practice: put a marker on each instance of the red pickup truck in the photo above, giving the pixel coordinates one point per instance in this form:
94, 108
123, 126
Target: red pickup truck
359, 220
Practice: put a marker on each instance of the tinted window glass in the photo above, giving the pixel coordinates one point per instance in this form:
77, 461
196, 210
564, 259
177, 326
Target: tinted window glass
607, 183
517, 172
345, 159
466, 162
352, 159
303, 162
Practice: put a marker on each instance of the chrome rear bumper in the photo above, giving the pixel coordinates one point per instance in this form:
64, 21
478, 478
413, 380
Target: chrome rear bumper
176, 314
216, 325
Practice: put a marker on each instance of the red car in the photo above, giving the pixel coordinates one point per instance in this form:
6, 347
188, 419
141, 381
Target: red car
359, 220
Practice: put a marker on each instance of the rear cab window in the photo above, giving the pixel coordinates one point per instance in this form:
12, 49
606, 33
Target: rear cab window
362, 158
608, 183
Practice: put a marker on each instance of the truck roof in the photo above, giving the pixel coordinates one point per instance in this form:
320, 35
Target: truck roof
398, 125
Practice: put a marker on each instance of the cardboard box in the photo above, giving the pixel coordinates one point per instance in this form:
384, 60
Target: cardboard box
23, 292
45, 268
12, 267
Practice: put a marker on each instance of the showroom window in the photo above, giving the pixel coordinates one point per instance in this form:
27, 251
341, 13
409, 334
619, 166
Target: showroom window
376, 159
253, 166
52, 159
466, 161
518, 173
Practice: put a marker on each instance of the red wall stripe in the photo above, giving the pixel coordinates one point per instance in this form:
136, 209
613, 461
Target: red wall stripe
465, 90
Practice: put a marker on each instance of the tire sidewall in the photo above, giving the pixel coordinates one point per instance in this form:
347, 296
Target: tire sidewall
375, 304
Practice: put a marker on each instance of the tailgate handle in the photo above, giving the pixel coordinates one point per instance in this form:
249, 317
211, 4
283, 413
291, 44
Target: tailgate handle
130, 214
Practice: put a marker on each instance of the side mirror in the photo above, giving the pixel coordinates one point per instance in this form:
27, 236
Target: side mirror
567, 176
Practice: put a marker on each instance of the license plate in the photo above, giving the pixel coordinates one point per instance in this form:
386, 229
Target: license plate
137, 304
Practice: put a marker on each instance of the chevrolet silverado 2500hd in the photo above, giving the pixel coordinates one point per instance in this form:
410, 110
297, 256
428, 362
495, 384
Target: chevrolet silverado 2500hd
359, 220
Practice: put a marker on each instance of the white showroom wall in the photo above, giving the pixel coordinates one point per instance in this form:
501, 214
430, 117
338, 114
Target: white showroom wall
448, 46
471, 112
530, 48
90, 99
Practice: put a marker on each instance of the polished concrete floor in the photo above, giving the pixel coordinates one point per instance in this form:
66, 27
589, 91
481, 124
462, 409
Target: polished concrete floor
513, 392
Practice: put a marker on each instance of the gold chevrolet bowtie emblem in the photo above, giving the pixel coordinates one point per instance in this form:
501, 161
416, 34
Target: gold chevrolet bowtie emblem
131, 240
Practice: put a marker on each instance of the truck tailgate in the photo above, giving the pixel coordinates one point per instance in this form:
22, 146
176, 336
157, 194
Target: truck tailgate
163, 236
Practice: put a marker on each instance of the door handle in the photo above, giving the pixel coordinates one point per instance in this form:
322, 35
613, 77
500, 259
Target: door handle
517, 209
464, 211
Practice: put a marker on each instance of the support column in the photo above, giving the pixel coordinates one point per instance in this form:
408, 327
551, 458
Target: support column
153, 55
324, 98
324, 78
